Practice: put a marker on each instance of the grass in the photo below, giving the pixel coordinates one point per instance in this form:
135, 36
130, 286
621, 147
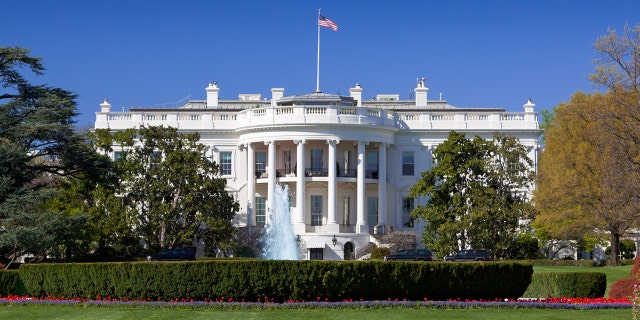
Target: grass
71, 312
613, 273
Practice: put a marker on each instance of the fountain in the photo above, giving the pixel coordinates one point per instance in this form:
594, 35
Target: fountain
279, 240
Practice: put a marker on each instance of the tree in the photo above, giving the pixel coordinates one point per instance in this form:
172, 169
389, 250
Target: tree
618, 68
106, 235
476, 194
37, 145
593, 159
587, 182
170, 190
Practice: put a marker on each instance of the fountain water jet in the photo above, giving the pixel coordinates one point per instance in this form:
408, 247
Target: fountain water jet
279, 240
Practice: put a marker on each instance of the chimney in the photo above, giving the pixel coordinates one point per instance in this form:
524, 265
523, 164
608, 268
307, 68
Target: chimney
356, 94
105, 106
212, 95
276, 94
421, 94
528, 107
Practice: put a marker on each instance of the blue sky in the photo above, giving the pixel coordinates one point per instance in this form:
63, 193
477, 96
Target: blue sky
476, 53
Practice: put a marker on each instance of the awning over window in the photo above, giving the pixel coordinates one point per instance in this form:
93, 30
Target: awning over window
316, 243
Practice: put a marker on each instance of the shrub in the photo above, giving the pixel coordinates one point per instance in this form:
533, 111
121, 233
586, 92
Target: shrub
280, 280
567, 284
623, 288
378, 253
10, 283
573, 263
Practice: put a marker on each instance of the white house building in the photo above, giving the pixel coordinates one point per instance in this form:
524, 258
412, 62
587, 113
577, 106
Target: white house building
349, 163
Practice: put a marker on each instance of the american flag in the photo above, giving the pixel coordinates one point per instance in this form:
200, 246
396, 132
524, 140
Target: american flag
327, 23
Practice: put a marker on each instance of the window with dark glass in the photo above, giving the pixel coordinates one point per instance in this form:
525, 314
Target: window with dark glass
408, 163
288, 168
225, 163
372, 210
372, 164
261, 163
316, 254
316, 210
408, 205
316, 162
261, 211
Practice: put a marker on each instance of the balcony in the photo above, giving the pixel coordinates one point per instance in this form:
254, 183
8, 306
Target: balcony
319, 172
316, 172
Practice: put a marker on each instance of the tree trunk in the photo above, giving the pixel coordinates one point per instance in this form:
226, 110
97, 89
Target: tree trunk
163, 234
615, 245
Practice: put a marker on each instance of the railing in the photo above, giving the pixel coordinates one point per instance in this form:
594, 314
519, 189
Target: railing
284, 110
319, 172
189, 117
225, 117
316, 110
155, 117
348, 173
344, 115
347, 111
349, 228
316, 172
371, 174
281, 173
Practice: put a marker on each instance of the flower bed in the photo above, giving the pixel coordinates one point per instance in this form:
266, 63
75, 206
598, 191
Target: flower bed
266, 303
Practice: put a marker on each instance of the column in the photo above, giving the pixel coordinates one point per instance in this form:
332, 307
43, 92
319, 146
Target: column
361, 223
298, 217
382, 185
332, 222
251, 184
271, 173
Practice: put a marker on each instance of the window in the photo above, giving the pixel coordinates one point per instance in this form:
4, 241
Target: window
346, 211
316, 254
372, 164
316, 210
118, 155
515, 166
261, 211
288, 169
346, 156
408, 163
261, 163
316, 161
408, 205
154, 159
372, 210
225, 163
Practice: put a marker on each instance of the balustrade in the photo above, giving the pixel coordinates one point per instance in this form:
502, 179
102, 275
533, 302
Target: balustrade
405, 120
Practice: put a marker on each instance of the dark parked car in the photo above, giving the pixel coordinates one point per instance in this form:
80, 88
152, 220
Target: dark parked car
470, 255
410, 255
174, 254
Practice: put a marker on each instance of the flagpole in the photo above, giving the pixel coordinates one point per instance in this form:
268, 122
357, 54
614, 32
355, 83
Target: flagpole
318, 65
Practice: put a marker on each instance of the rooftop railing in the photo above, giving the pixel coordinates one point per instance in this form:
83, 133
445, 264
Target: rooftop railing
227, 119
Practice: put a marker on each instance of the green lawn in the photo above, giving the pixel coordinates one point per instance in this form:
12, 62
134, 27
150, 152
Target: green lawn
70, 313
613, 273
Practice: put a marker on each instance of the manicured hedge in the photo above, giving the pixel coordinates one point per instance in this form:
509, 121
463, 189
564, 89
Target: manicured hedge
567, 284
562, 263
255, 280
10, 283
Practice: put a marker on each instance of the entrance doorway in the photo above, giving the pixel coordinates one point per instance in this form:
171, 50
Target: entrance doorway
348, 251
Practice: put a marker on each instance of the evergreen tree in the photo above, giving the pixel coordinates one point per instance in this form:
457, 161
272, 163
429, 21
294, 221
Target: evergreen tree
37, 144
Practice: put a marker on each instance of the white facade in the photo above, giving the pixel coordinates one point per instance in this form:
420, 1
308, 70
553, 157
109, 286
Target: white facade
349, 163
